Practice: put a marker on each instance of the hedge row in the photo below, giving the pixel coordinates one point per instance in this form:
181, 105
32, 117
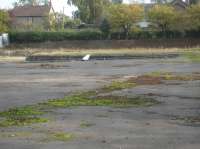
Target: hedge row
157, 35
28, 37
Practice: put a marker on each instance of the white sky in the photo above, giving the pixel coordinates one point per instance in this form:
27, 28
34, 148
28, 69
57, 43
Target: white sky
57, 5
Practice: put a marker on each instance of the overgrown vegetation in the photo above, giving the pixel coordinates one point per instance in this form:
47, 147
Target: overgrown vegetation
91, 34
27, 115
115, 19
22, 116
118, 85
109, 52
123, 16
91, 99
194, 57
60, 136
27, 37
102, 19
158, 77
86, 124
21, 121
34, 114
4, 21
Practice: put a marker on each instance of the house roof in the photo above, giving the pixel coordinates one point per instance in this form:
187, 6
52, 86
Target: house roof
179, 4
30, 11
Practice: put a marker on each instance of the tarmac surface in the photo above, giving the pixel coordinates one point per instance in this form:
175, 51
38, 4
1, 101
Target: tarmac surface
172, 124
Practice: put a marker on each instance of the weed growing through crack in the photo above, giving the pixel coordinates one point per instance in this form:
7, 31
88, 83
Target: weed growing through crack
194, 57
22, 121
28, 115
117, 85
188, 119
158, 77
60, 136
86, 124
21, 116
114, 101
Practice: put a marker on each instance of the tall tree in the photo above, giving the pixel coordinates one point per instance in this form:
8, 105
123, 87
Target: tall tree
194, 16
89, 11
123, 16
163, 16
4, 21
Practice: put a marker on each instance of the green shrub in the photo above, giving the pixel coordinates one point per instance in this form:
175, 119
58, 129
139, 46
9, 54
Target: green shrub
28, 37
105, 28
94, 34
193, 33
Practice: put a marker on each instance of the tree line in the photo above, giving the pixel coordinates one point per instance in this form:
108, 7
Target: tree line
114, 16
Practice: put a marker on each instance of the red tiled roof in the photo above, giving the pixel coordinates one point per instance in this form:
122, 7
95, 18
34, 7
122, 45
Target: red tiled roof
30, 11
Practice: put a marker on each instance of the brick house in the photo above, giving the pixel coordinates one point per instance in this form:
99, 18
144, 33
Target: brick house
30, 17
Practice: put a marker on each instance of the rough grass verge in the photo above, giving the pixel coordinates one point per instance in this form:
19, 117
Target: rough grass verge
192, 56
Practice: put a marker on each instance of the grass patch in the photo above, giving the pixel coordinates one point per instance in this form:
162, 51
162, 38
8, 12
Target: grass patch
106, 52
22, 121
12, 59
192, 56
21, 116
102, 115
85, 124
158, 78
21, 112
60, 136
28, 115
123, 101
160, 73
52, 136
116, 85
114, 101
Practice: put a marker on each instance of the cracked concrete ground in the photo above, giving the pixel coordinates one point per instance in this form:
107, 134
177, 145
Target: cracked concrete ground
160, 126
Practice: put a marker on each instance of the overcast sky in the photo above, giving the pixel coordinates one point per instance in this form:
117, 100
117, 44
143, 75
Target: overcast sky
57, 5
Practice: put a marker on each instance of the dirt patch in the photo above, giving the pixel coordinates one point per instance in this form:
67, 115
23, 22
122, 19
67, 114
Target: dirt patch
146, 80
161, 78
191, 120
86, 124
51, 66
117, 85
124, 101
